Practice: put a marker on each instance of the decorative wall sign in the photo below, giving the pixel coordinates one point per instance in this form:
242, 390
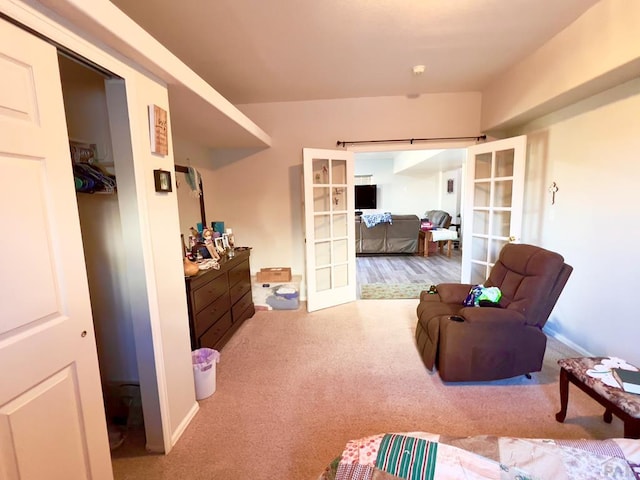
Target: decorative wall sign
163, 180
450, 185
553, 189
158, 130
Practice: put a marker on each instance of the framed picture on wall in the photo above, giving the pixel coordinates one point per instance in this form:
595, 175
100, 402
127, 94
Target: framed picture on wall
162, 180
450, 185
158, 130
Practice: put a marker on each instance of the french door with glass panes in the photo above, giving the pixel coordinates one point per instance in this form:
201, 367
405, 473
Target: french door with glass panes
329, 227
492, 212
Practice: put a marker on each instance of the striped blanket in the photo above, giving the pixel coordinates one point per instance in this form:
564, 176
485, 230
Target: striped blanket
425, 456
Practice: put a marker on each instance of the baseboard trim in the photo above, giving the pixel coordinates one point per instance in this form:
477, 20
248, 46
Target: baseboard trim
561, 338
184, 424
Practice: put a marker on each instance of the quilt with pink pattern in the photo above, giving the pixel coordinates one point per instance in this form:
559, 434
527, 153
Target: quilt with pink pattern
426, 456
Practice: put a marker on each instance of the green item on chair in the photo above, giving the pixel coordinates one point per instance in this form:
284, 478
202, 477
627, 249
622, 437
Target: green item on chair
492, 294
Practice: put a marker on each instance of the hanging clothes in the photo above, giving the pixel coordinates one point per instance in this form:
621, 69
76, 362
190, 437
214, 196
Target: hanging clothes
92, 179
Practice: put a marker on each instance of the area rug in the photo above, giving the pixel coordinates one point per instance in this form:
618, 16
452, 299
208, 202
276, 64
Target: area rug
398, 290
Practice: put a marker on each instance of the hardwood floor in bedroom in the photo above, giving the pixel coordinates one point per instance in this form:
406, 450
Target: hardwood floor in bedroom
391, 269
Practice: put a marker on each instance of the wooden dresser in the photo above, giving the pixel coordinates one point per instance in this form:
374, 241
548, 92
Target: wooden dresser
219, 301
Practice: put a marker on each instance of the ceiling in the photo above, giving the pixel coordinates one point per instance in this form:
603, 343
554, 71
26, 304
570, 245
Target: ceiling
254, 51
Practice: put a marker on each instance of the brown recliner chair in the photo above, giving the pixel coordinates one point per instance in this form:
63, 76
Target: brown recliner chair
490, 343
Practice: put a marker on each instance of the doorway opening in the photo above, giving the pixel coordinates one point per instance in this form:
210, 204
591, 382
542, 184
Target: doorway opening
87, 116
410, 182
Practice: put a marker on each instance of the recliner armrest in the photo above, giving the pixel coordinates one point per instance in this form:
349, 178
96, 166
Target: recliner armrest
453, 292
494, 316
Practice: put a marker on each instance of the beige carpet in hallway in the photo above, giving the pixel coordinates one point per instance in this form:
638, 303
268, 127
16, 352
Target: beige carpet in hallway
293, 387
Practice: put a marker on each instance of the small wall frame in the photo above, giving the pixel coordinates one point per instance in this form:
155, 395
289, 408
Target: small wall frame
162, 180
450, 185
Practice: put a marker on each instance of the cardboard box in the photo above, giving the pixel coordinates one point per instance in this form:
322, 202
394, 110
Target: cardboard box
274, 274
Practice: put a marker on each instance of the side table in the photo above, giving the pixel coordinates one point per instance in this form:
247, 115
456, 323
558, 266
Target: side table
425, 238
625, 406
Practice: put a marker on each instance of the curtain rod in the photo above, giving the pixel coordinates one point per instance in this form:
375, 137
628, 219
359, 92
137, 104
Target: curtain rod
477, 138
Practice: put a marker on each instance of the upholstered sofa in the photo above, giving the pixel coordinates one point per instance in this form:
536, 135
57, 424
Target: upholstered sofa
399, 236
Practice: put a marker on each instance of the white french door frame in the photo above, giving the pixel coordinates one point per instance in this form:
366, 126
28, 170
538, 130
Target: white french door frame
329, 210
492, 203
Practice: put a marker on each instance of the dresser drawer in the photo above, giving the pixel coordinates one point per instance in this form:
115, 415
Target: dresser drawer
238, 290
209, 314
215, 332
240, 273
209, 292
241, 305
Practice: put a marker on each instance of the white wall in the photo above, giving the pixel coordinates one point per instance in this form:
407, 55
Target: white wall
588, 146
154, 263
590, 150
409, 182
450, 202
259, 193
599, 50
398, 194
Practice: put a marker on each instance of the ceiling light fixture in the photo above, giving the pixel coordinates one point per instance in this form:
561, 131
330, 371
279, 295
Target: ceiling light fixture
418, 69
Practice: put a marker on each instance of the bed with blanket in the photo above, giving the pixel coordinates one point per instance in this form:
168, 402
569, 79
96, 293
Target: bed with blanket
421, 455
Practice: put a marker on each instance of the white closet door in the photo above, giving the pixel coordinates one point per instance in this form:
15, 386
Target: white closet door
52, 421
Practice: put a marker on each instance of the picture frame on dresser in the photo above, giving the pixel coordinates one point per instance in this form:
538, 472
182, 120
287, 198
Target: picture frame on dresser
219, 244
225, 241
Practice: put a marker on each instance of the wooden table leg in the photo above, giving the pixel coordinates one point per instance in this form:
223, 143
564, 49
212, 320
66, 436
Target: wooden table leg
564, 395
631, 423
632, 428
449, 246
426, 243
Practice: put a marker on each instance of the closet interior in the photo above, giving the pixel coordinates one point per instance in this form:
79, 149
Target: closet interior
90, 144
